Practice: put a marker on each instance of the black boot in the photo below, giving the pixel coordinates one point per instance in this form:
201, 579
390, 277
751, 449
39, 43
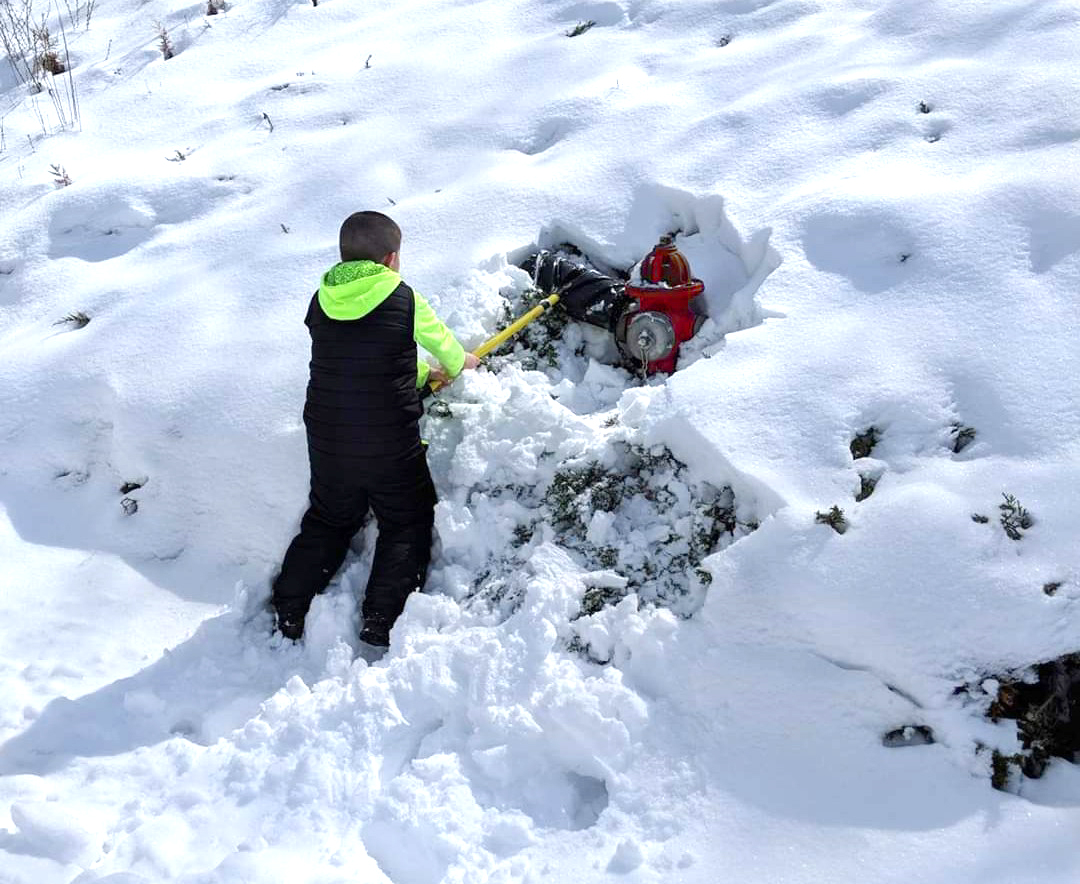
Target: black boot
290, 625
376, 632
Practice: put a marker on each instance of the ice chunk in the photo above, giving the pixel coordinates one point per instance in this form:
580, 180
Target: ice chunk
628, 856
49, 831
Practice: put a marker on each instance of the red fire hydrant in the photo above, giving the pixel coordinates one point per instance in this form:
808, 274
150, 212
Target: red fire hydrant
660, 316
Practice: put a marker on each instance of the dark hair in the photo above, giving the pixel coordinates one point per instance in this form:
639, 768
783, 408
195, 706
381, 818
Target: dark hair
368, 236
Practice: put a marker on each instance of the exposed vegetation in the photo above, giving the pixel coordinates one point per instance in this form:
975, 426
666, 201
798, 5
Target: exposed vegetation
1045, 704
580, 28
536, 345
834, 518
867, 484
864, 443
1015, 520
60, 176
667, 525
164, 42
75, 320
962, 437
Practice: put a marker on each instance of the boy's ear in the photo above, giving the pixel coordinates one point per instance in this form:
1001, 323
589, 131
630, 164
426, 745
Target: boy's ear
391, 260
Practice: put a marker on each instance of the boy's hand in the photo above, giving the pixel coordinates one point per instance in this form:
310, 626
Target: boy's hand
439, 376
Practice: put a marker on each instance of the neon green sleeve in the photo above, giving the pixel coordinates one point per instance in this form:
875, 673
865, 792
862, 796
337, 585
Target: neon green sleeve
430, 333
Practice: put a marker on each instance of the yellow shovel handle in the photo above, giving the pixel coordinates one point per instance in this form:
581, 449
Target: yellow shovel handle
496, 341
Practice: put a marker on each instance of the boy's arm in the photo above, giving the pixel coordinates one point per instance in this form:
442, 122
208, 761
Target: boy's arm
437, 339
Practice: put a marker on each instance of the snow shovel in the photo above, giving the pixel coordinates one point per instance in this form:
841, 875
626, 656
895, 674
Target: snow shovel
496, 341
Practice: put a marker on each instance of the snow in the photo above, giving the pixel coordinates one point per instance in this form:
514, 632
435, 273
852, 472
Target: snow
880, 196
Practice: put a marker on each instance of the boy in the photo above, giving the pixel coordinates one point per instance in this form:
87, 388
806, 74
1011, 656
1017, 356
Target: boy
362, 417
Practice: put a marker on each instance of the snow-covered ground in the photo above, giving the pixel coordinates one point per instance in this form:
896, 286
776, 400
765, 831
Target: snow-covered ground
882, 198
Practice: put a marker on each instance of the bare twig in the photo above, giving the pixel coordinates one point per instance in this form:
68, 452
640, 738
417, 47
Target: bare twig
17, 37
60, 175
73, 97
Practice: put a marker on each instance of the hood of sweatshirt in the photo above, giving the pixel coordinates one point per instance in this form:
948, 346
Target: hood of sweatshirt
352, 289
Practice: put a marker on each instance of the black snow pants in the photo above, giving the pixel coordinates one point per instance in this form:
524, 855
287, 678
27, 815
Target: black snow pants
402, 497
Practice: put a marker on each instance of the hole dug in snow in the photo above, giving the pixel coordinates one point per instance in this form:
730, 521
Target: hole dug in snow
545, 448
583, 357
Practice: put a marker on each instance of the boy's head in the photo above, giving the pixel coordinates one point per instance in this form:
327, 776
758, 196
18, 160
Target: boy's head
370, 236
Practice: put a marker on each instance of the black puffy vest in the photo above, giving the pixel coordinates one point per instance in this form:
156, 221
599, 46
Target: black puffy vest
362, 403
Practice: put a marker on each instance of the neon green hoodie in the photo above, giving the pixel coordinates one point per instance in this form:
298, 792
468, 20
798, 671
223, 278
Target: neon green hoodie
352, 289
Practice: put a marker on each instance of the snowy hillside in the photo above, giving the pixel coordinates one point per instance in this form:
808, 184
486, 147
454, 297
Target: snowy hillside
641, 655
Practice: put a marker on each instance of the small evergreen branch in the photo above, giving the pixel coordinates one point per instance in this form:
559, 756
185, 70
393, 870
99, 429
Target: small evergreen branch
924, 108
979, 518
130, 506
164, 43
178, 156
1014, 518
77, 320
1052, 587
834, 518
267, 120
724, 40
581, 28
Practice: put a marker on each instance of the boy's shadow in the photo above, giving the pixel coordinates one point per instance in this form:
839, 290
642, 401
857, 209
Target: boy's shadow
201, 690
204, 688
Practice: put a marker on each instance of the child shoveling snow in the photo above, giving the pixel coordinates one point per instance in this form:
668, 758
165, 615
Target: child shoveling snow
362, 417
